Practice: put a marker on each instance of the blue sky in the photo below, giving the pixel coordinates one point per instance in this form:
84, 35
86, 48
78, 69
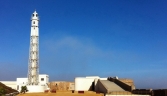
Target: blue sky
124, 38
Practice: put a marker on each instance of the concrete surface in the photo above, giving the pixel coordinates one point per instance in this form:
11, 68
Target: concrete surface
111, 86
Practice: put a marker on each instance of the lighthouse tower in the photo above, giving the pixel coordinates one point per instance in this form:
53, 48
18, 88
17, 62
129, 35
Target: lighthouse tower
33, 66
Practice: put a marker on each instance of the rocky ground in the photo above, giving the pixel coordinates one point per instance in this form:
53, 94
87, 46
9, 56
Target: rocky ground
5, 89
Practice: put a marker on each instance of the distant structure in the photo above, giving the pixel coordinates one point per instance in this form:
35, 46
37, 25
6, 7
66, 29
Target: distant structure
33, 66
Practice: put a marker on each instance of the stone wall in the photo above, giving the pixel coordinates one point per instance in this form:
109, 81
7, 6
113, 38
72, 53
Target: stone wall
129, 82
61, 85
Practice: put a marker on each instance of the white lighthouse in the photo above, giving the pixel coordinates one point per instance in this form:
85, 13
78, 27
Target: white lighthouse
33, 70
35, 82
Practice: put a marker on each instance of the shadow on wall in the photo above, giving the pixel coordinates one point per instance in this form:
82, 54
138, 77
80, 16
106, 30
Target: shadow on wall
99, 87
92, 87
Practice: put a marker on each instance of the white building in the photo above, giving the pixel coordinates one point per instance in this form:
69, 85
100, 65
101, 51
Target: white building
43, 81
86, 83
104, 85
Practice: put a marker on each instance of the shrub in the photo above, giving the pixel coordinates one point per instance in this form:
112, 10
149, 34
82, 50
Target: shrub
2, 91
23, 89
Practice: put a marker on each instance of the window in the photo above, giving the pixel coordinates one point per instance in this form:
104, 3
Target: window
42, 79
34, 22
33, 15
36, 15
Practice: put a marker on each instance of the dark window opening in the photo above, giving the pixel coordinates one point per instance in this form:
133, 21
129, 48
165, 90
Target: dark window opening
36, 15
42, 79
34, 22
33, 15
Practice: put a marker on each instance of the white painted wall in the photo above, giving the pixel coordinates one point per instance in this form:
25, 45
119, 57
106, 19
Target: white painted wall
21, 82
83, 84
33, 88
43, 79
103, 78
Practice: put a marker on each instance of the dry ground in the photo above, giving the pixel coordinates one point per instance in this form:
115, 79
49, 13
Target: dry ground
62, 93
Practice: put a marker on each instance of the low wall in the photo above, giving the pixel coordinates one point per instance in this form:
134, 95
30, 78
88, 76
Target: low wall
160, 92
61, 85
35, 88
143, 91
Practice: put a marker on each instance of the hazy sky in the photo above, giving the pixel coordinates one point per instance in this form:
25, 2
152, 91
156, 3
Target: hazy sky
124, 38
